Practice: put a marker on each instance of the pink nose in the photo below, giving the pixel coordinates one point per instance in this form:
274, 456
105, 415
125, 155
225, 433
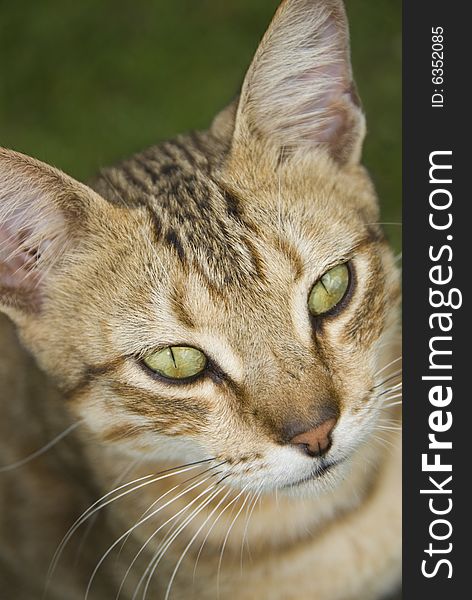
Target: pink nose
316, 441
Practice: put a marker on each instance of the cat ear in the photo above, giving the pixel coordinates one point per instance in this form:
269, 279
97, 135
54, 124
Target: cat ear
41, 212
222, 126
299, 91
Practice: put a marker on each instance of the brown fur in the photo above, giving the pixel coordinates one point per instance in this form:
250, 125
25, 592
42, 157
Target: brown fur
211, 240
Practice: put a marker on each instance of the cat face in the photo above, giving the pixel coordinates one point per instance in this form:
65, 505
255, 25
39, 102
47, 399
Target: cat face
190, 307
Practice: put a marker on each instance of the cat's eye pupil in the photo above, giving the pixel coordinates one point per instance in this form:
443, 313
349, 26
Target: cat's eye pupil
329, 290
176, 362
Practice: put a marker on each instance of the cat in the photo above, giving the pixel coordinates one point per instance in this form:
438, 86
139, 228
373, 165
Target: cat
204, 403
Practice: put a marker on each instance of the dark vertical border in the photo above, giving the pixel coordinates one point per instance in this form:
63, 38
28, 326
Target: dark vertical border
429, 128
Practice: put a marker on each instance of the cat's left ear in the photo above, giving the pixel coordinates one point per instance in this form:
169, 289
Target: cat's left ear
42, 215
299, 91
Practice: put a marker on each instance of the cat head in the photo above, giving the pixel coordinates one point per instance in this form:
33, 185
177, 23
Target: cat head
228, 294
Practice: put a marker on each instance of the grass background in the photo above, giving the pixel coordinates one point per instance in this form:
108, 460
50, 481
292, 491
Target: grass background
85, 83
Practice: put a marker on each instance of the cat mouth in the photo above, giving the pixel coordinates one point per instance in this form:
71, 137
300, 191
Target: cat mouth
321, 469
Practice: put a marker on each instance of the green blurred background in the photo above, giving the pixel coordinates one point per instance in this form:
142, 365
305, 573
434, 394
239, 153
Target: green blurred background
85, 83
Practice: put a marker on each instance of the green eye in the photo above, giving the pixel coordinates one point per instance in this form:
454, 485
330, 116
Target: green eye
176, 362
329, 290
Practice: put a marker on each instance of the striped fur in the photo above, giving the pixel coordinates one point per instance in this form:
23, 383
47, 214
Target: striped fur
212, 240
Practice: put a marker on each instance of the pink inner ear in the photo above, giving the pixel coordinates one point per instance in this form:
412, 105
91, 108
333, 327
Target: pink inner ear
326, 99
299, 91
33, 228
328, 105
17, 260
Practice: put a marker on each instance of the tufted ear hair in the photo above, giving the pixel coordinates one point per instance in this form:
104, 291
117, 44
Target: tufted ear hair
42, 212
299, 91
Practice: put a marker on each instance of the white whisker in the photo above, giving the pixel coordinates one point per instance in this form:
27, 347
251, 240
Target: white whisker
387, 444
42, 450
179, 562
151, 568
394, 375
251, 507
124, 535
388, 428
397, 403
389, 365
226, 539
392, 388
189, 488
393, 397
94, 518
148, 510
100, 504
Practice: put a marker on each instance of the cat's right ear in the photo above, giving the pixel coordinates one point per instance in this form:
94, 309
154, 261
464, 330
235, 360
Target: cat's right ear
42, 213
